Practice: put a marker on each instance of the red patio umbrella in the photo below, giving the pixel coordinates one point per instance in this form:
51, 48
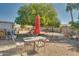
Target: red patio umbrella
37, 25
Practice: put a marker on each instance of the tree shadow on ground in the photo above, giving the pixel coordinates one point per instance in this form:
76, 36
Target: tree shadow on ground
6, 42
8, 52
12, 51
75, 48
31, 52
74, 43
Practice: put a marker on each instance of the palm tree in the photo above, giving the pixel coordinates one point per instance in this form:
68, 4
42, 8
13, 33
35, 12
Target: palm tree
76, 7
69, 8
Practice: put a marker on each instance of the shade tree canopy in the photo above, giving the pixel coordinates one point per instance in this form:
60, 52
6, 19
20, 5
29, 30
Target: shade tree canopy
28, 12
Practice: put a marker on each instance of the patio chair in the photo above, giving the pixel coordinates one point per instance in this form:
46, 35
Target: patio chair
77, 36
20, 48
41, 44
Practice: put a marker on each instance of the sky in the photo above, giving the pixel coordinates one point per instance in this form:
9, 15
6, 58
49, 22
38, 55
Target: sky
8, 12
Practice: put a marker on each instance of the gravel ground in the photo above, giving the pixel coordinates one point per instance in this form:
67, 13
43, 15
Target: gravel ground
57, 49
64, 47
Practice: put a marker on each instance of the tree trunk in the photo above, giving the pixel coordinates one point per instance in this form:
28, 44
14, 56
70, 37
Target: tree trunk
71, 16
52, 28
78, 13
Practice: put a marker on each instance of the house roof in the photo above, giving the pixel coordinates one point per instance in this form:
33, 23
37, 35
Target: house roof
6, 22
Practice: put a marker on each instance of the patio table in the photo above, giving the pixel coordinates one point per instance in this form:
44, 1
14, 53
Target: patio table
35, 39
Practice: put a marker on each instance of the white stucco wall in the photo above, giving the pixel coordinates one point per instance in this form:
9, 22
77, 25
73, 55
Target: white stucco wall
7, 26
